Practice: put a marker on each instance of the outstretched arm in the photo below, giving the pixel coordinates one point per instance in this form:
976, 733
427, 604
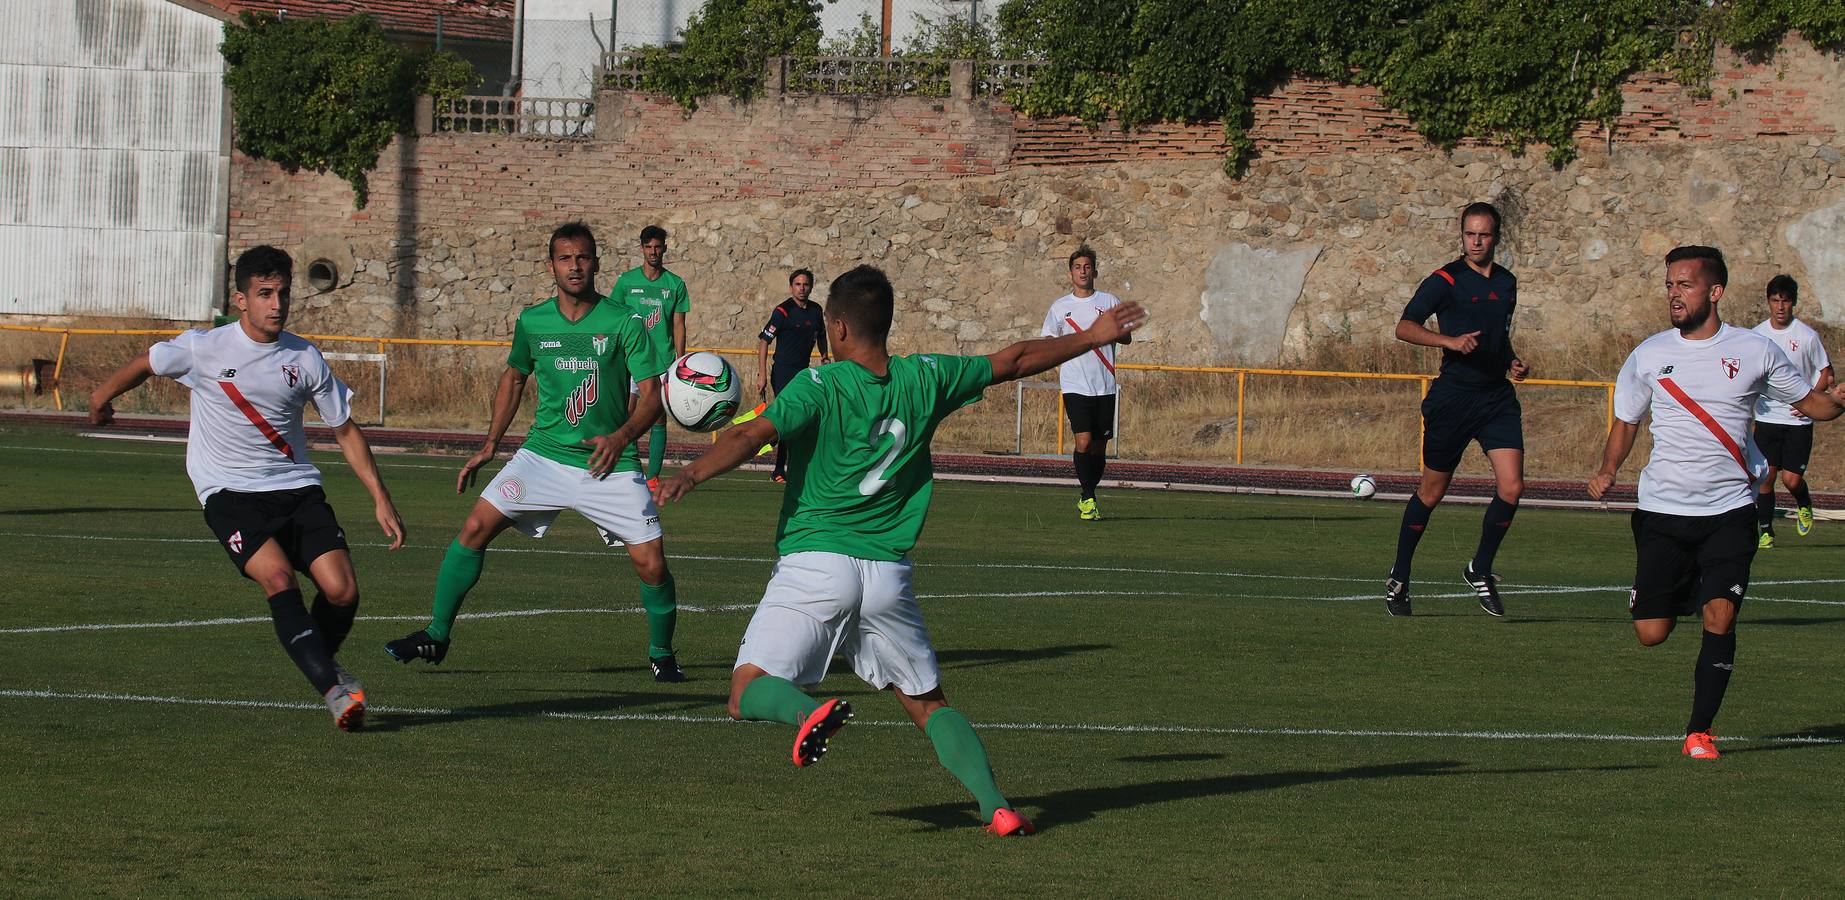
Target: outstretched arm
1822, 406
1620, 444
1027, 358
732, 449
358, 455
124, 379
505, 403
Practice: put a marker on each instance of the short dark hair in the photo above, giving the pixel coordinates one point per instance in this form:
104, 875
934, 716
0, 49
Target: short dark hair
798, 273
1081, 252
1784, 286
863, 299
1481, 209
262, 262
1713, 261
571, 231
652, 232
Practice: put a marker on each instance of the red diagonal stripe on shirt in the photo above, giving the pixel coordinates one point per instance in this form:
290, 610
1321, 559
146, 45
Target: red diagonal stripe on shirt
256, 418
1096, 350
1716, 430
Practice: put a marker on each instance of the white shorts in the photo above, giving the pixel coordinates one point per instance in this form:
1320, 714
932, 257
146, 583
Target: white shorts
820, 604
532, 490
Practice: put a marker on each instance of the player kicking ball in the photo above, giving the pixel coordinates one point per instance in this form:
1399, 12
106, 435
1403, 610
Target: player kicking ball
859, 481
583, 348
246, 452
1694, 530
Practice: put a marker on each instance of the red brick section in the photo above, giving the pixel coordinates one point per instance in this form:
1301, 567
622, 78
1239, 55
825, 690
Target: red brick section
482, 19
654, 157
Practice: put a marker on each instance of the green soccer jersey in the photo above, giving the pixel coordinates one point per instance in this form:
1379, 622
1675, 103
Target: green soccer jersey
582, 369
657, 300
860, 477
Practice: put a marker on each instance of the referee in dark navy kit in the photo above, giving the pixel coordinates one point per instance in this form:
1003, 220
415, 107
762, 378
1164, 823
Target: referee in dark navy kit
795, 327
1472, 299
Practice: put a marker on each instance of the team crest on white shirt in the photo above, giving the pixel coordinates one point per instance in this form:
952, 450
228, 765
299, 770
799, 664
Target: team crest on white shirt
1731, 365
291, 373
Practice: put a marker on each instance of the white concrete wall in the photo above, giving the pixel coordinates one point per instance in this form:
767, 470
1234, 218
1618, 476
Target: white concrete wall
114, 166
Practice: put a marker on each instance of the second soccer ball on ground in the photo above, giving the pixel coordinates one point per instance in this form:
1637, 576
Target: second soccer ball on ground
1364, 487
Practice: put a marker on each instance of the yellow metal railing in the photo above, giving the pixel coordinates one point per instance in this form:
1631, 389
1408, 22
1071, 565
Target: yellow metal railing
1242, 373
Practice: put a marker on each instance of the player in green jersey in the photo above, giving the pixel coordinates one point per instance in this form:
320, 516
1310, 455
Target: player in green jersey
860, 477
582, 349
661, 297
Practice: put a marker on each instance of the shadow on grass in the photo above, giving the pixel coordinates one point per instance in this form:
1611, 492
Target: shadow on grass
1171, 757
970, 659
640, 705
1818, 737
1809, 620
1110, 517
1082, 804
71, 510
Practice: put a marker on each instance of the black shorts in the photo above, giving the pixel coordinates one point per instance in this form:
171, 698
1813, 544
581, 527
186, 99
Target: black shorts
1454, 415
1683, 561
1786, 447
780, 375
1091, 415
299, 520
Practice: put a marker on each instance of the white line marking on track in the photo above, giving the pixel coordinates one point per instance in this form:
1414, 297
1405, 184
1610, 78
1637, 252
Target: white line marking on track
1078, 727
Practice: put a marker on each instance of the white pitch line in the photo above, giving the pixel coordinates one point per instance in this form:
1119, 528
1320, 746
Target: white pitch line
1066, 727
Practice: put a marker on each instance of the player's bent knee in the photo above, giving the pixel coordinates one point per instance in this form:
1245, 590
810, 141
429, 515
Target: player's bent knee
1653, 632
1511, 491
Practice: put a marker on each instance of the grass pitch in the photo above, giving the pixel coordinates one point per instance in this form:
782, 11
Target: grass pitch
1199, 695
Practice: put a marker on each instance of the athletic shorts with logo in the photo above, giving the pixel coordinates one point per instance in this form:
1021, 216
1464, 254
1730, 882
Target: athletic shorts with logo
1683, 561
1454, 415
532, 490
1786, 447
1091, 415
299, 520
819, 605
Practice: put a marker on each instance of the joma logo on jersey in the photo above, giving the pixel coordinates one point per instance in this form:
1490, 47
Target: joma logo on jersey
550, 345
292, 374
1731, 365
581, 399
601, 343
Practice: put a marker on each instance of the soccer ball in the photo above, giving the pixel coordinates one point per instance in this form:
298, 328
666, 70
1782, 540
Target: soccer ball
700, 391
1364, 487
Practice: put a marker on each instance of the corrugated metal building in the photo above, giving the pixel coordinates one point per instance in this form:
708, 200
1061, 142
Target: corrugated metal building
114, 158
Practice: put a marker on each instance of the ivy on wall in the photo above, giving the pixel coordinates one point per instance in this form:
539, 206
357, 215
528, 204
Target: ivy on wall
726, 45
328, 95
1517, 72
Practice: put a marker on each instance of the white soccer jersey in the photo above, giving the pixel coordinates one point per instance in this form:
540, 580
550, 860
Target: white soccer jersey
247, 400
1093, 373
1702, 396
1801, 344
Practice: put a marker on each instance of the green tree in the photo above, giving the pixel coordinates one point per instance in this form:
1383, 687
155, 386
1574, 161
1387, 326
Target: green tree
726, 46
327, 95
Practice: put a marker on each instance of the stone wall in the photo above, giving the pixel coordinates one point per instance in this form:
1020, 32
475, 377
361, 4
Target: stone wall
973, 210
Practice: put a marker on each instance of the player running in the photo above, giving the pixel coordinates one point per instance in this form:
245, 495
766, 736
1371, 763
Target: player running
1088, 381
1473, 299
246, 453
579, 454
1784, 435
662, 300
1701, 380
858, 433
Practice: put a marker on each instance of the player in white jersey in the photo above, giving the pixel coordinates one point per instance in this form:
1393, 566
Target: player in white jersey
1693, 539
1088, 381
1783, 434
247, 457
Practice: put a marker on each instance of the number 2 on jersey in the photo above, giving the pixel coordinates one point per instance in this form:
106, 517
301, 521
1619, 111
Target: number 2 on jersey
879, 476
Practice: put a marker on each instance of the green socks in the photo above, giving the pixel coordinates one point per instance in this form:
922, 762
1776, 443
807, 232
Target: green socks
772, 699
460, 571
959, 749
656, 448
662, 604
